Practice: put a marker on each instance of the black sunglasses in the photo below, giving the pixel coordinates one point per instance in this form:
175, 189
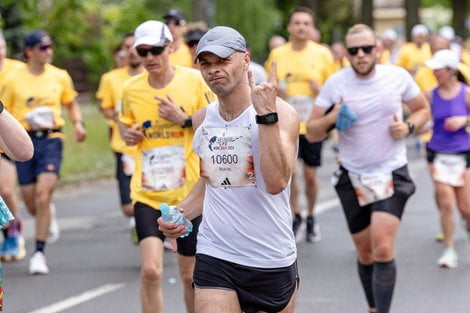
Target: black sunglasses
45, 47
192, 43
366, 49
154, 51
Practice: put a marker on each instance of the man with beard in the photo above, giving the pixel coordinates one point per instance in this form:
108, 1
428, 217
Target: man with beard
372, 182
110, 94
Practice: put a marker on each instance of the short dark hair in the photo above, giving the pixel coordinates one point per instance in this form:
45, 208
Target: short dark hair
302, 10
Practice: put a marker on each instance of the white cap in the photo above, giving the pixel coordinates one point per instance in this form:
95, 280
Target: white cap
152, 33
419, 29
390, 34
443, 59
447, 32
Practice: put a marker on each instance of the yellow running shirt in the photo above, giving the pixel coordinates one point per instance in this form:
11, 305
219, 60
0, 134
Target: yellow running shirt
412, 58
36, 100
182, 56
166, 166
295, 70
110, 95
9, 66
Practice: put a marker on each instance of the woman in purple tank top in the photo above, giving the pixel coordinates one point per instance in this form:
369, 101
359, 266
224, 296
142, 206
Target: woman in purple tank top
448, 152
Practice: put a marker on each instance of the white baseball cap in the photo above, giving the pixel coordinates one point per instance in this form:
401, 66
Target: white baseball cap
419, 29
152, 33
447, 32
390, 34
443, 59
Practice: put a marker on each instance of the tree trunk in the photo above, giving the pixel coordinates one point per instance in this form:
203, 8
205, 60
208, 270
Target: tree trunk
459, 9
412, 15
203, 10
367, 10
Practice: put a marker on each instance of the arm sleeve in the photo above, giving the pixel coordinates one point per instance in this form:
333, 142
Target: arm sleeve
104, 93
326, 97
411, 89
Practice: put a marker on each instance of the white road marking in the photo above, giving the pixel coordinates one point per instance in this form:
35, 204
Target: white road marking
81, 298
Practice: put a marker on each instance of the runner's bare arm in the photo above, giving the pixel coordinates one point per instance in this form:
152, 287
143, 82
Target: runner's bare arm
14, 139
318, 123
278, 141
76, 118
420, 111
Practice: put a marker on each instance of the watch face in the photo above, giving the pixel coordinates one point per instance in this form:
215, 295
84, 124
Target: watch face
1, 106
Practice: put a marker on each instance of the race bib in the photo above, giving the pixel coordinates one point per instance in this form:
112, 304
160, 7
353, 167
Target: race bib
41, 117
449, 169
370, 188
303, 105
227, 157
163, 168
128, 164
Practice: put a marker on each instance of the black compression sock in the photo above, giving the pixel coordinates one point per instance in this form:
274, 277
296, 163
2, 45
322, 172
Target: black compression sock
383, 283
40, 245
365, 274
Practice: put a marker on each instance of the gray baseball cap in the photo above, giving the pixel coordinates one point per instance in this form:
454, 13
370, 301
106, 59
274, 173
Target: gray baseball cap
221, 41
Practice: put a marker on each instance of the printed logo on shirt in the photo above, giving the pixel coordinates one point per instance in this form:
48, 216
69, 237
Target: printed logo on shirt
223, 142
226, 182
156, 130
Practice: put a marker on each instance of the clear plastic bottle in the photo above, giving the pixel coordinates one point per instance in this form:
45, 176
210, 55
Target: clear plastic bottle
173, 215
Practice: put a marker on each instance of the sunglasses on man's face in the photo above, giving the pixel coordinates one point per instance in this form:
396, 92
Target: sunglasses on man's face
192, 43
44, 47
154, 51
355, 50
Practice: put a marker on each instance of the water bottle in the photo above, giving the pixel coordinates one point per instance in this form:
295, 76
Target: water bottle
173, 215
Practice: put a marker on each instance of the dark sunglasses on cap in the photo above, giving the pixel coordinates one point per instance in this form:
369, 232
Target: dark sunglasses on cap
154, 51
366, 49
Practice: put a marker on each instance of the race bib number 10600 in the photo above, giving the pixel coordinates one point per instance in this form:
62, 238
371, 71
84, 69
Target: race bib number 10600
227, 157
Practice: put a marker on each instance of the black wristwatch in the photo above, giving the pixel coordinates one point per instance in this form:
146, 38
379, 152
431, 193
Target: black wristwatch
267, 119
1, 106
411, 128
188, 123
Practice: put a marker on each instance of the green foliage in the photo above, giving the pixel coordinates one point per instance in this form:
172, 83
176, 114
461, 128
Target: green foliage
250, 18
91, 158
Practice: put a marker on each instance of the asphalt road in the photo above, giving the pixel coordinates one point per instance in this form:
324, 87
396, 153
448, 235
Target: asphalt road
95, 268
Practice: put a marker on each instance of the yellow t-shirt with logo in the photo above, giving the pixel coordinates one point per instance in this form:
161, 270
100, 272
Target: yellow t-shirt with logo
162, 138
411, 57
295, 70
182, 56
110, 94
23, 92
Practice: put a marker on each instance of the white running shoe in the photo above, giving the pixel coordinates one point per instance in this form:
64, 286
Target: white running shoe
448, 259
37, 264
54, 231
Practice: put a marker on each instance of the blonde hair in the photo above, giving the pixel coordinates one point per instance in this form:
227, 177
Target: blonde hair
360, 28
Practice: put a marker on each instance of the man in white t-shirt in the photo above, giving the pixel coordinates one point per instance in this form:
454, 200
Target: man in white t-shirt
247, 143
372, 182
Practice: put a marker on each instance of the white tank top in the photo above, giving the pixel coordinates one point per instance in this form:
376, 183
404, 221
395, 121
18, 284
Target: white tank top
242, 223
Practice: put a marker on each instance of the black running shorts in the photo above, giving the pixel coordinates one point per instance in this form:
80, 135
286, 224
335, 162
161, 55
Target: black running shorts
146, 226
310, 153
258, 289
358, 217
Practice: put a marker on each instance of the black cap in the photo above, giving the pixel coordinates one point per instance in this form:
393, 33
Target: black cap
37, 37
194, 35
176, 15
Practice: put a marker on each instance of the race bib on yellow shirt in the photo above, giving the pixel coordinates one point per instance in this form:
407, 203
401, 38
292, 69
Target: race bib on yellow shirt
163, 168
370, 188
303, 105
227, 157
449, 169
41, 117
